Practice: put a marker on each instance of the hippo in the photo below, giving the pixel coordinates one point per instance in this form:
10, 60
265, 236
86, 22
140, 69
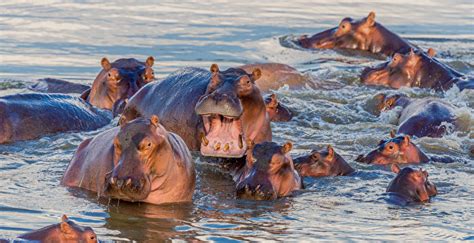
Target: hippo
397, 149
322, 163
410, 186
364, 35
214, 111
277, 75
30, 116
268, 172
277, 112
118, 81
138, 161
66, 231
426, 117
51, 85
415, 69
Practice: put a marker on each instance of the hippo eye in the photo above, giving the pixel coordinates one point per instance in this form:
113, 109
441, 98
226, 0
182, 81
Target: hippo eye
390, 147
109, 75
149, 144
153, 73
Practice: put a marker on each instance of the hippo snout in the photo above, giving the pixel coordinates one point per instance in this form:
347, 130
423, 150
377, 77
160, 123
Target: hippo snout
132, 188
218, 103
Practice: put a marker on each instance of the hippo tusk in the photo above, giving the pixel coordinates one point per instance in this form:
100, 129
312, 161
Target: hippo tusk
113, 180
241, 142
204, 139
226, 147
129, 182
217, 146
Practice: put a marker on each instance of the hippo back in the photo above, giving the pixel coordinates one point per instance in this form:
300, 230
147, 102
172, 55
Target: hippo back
173, 100
29, 116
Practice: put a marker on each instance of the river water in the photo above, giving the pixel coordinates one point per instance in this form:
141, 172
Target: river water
67, 40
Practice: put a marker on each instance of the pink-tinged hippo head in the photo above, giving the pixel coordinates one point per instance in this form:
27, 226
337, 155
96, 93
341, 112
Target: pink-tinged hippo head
411, 185
269, 173
66, 231
322, 163
233, 111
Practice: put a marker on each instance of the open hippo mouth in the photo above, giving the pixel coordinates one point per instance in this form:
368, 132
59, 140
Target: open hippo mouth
223, 134
128, 189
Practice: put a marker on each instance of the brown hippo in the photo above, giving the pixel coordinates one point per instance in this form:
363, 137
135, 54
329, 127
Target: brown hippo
277, 112
51, 85
426, 117
397, 149
29, 116
216, 111
322, 163
268, 173
138, 161
364, 34
118, 81
415, 69
277, 75
410, 186
66, 231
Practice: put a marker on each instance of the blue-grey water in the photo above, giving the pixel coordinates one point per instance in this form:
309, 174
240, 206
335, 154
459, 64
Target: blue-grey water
67, 39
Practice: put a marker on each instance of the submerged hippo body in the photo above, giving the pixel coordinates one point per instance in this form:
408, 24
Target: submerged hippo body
426, 117
66, 231
410, 186
138, 161
267, 173
29, 116
51, 85
216, 112
118, 81
277, 75
365, 35
322, 163
395, 150
416, 69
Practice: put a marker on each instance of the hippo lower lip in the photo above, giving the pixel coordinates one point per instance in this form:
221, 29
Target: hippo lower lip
122, 189
223, 137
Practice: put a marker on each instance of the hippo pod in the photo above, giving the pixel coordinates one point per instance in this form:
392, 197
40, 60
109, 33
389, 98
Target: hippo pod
118, 81
395, 150
421, 117
415, 69
138, 161
322, 163
66, 231
215, 112
364, 34
268, 173
29, 116
410, 186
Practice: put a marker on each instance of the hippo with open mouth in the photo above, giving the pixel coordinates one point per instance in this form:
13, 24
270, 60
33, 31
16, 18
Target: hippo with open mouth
214, 111
140, 161
364, 34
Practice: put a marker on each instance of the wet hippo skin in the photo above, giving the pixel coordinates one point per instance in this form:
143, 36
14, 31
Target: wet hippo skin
322, 163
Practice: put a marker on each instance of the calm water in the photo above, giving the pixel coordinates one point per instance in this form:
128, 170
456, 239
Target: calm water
67, 40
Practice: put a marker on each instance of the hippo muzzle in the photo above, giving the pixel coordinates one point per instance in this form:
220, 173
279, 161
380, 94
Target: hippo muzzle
223, 135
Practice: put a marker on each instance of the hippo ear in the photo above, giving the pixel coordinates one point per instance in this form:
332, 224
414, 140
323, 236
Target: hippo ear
330, 152
273, 101
64, 218
370, 19
286, 147
150, 61
105, 64
406, 141
65, 228
431, 52
395, 168
392, 133
256, 74
154, 120
214, 68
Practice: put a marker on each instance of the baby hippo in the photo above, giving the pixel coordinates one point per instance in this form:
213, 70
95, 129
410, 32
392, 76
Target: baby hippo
322, 163
66, 231
140, 161
410, 186
395, 150
277, 112
268, 173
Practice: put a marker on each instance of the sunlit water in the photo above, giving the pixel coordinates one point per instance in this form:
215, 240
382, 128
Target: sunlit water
67, 40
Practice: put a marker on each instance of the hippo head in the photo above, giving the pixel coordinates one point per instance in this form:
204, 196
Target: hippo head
322, 163
412, 185
350, 34
269, 173
233, 111
400, 71
397, 149
66, 231
119, 81
388, 102
141, 157
277, 112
